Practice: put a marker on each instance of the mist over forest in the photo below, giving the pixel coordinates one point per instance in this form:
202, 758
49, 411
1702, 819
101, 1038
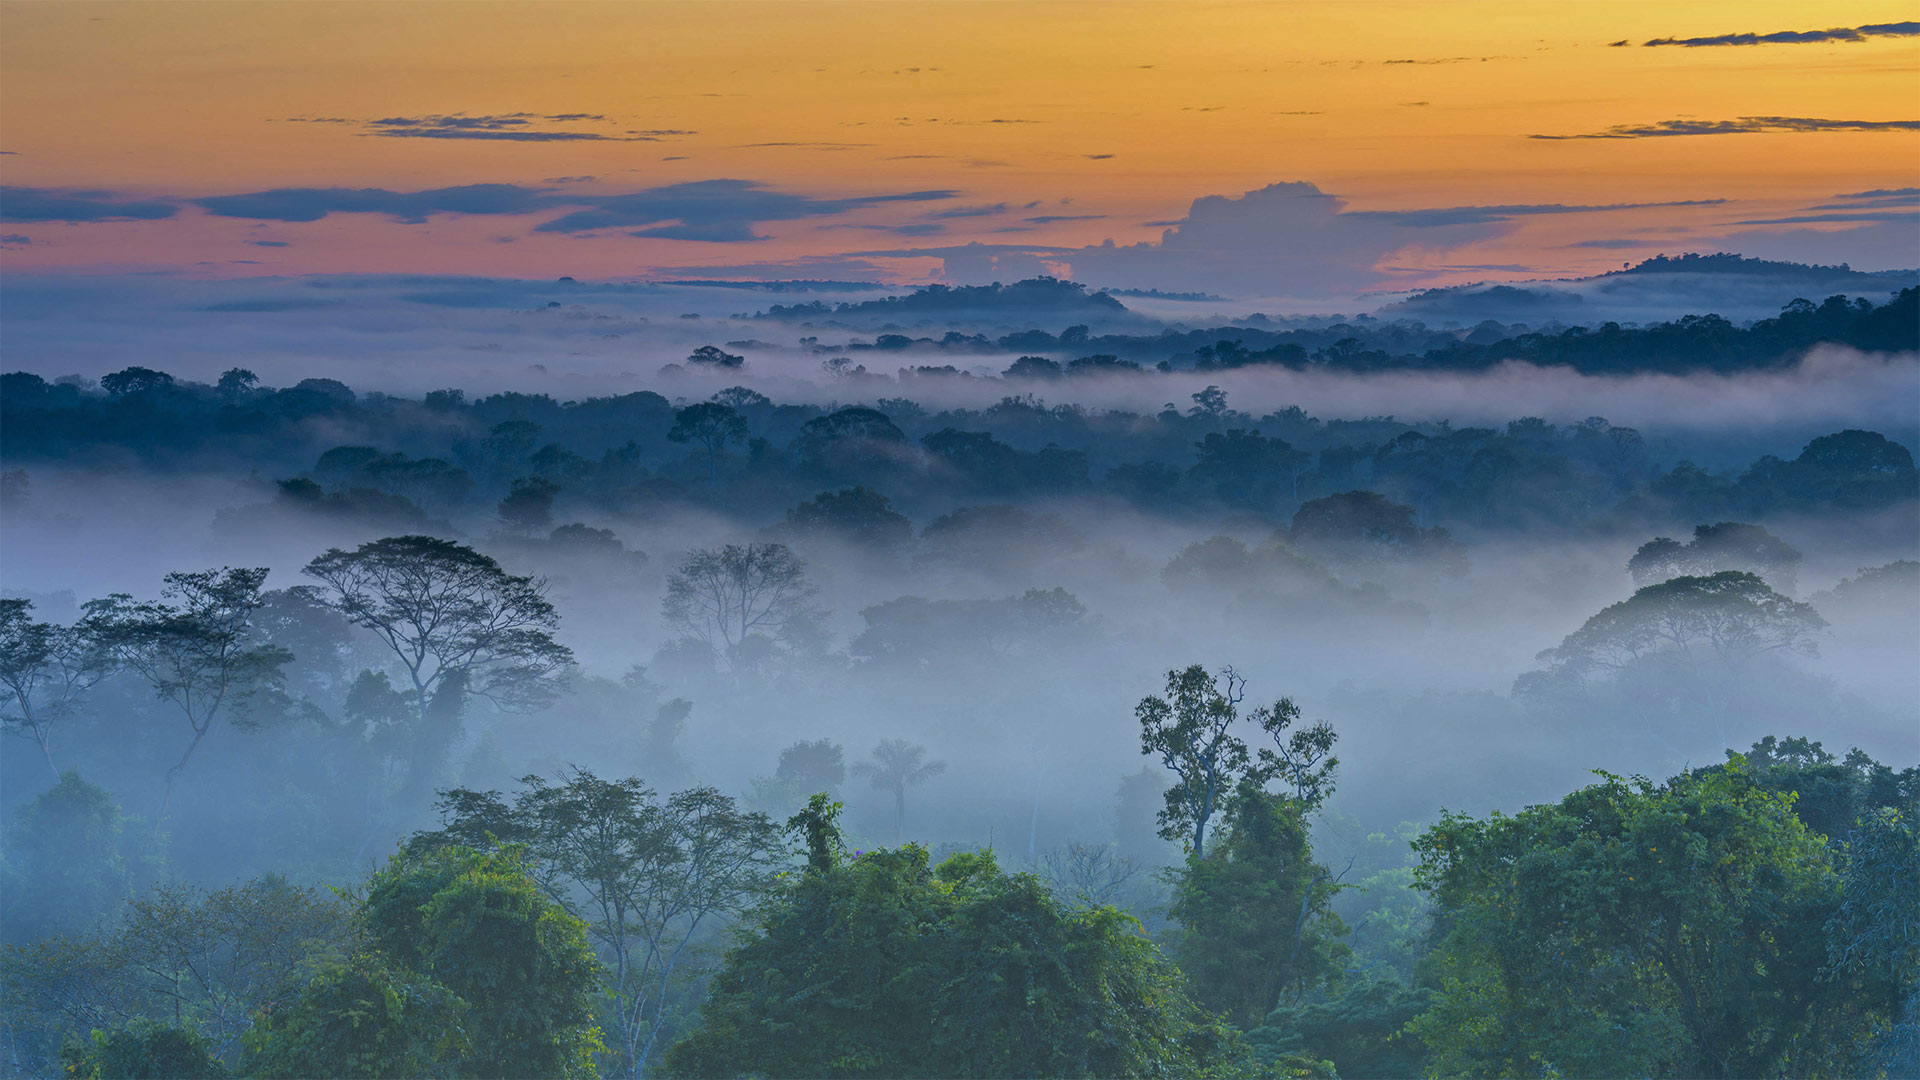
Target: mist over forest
988, 598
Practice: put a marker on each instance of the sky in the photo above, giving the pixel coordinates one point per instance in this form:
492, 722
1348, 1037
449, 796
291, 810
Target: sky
1269, 149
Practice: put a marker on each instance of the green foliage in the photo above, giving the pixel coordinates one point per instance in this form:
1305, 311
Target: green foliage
63, 871
1255, 911
207, 961
1357, 1029
1830, 793
1637, 929
818, 825
886, 966
478, 924
1875, 931
1190, 731
143, 1050
362, 1018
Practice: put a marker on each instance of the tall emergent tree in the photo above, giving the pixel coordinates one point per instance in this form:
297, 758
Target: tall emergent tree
725, 596
44, 671
647, 877
1709, 627
198, 649
459, 626
1191, 731
1303, 761
896, 765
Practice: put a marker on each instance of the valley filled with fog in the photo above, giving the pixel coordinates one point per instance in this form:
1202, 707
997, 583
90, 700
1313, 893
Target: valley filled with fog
929, 554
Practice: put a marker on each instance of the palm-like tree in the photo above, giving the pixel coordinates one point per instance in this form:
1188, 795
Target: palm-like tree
895, 764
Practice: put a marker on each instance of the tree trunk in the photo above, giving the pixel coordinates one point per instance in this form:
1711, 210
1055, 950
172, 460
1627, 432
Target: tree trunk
166, 790
433, 742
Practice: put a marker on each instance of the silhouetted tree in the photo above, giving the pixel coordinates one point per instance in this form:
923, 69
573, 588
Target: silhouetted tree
895, 766
856, 515
457, 623
528, 507
711, 356
197, 648
814, 766
44, 671
711, 425
1191, 731
724, 596
1714, 626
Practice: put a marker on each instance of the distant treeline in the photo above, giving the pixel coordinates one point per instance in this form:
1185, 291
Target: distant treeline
1692, 343
401, 462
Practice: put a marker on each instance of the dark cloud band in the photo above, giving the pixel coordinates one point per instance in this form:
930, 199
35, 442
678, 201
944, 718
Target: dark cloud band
709, 211
497, 127
1745, 125
1853, 34
51, 204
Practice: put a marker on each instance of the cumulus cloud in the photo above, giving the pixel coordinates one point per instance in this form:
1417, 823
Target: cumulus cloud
1745, 125
1292, 239
75, 207
1852, 34
1286, 239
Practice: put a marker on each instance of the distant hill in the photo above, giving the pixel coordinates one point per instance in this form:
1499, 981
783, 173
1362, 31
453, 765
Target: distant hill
1728, 263
1035, 300
1655, 290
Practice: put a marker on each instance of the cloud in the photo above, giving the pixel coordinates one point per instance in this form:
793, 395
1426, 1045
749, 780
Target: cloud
1805, 219
713, 210
269, 243
912, 228
13, 239
1745, 125
708, 211
1795, 37
1480, 215
412, 207
1047, 219
905, 120
1614, 244
1286, 239
1880, 193
804, 145
1096, 157
971, 211
498, 127
75, 207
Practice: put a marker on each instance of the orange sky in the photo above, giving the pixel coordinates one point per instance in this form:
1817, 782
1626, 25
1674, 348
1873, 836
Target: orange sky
1105, 116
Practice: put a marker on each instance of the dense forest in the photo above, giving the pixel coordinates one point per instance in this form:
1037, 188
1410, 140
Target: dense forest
727, 736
